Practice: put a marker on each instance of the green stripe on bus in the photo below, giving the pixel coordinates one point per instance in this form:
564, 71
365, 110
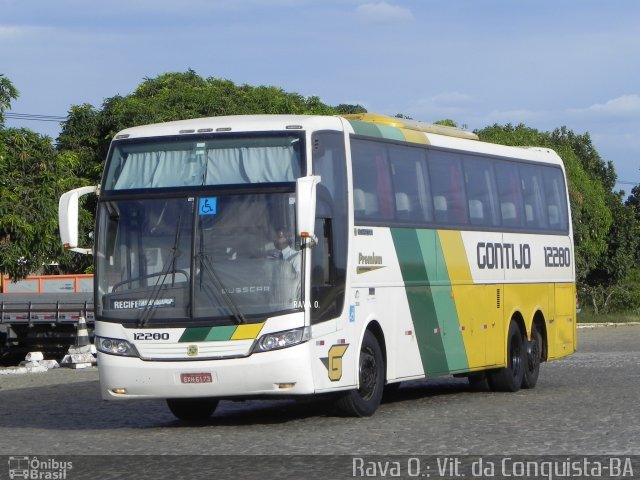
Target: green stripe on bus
376, 130
365, 128
391, 133
421, 302
195, 334
448, 317
432, 306
429, 246
208, 334
221, 333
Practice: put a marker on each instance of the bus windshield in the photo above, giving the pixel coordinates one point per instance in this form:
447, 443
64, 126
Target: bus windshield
200, 161
227, 258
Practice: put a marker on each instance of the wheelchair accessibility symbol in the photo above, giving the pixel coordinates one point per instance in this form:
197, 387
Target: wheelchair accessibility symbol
208, 206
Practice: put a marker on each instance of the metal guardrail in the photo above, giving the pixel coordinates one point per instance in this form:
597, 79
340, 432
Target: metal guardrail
43, 309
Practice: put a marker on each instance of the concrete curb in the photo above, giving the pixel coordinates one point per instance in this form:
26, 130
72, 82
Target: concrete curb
608, 324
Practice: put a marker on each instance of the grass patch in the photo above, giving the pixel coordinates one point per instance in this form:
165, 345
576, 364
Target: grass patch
619, 317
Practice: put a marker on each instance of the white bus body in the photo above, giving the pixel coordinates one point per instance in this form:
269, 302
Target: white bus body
431, 254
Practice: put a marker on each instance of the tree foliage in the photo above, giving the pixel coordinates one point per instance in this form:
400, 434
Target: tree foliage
32, 177
447, 122
7, 93
607, 283
347, 109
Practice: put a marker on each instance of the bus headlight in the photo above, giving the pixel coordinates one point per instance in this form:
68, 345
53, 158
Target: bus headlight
116, 346
287, 338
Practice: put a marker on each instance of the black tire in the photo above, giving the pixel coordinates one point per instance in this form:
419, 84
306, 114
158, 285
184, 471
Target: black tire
192, 409
364, 401
478, 382
509, 379
534, 358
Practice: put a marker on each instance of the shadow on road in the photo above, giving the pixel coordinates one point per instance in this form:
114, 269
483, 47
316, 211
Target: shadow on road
78, 406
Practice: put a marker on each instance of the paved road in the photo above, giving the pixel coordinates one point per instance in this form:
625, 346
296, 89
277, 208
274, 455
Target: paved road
584, 404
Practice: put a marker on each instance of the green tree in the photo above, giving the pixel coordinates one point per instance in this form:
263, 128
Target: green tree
346, 109
80, 135
447, 122
32, 178
33, 175
7, 93
609, 284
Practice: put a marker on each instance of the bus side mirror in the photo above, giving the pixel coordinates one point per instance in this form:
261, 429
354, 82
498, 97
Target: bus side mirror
306, 207
68, 218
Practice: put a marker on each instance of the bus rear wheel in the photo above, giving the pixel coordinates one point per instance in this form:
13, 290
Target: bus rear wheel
192, 409
364, 401
509, 378
534, 358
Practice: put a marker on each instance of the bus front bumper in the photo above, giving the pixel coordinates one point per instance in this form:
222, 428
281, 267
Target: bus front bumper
279, 372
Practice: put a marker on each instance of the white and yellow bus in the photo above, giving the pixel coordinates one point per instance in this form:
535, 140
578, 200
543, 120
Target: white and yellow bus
280, 256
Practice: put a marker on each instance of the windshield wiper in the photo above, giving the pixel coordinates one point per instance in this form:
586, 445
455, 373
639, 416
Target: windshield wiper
145, 315
206, 264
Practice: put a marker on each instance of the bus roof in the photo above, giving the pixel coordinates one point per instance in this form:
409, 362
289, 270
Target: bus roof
371, 125
412, 125
391, 128
234, 123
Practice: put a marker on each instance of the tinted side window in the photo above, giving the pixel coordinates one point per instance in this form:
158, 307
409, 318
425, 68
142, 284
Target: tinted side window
410, 185
509, 194
482, 192
329, 257
535, 205
556, 199
447, 186
372, 190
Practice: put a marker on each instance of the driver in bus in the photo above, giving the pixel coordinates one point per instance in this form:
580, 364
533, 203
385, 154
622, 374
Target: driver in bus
283, 250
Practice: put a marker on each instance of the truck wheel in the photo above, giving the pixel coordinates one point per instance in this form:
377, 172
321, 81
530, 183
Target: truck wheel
364, 401
192, 409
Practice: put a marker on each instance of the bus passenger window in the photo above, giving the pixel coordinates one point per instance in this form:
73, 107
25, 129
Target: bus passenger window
403, 206
440, 208
365, 204
534, 197
359, 206
509, 194
407, 171
481, 191
371, 177
476, 212
556, 199
447, 184
508, 213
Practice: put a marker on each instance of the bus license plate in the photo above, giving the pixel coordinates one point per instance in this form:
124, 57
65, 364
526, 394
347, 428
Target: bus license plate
196, 378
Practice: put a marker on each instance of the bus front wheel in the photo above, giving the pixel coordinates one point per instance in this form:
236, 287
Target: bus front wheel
192, 409
364, 401
509, 378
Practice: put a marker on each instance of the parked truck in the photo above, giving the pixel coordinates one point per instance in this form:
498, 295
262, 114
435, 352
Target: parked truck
41, 313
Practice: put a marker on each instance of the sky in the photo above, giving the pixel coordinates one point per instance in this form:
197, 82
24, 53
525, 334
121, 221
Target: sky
544, 63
